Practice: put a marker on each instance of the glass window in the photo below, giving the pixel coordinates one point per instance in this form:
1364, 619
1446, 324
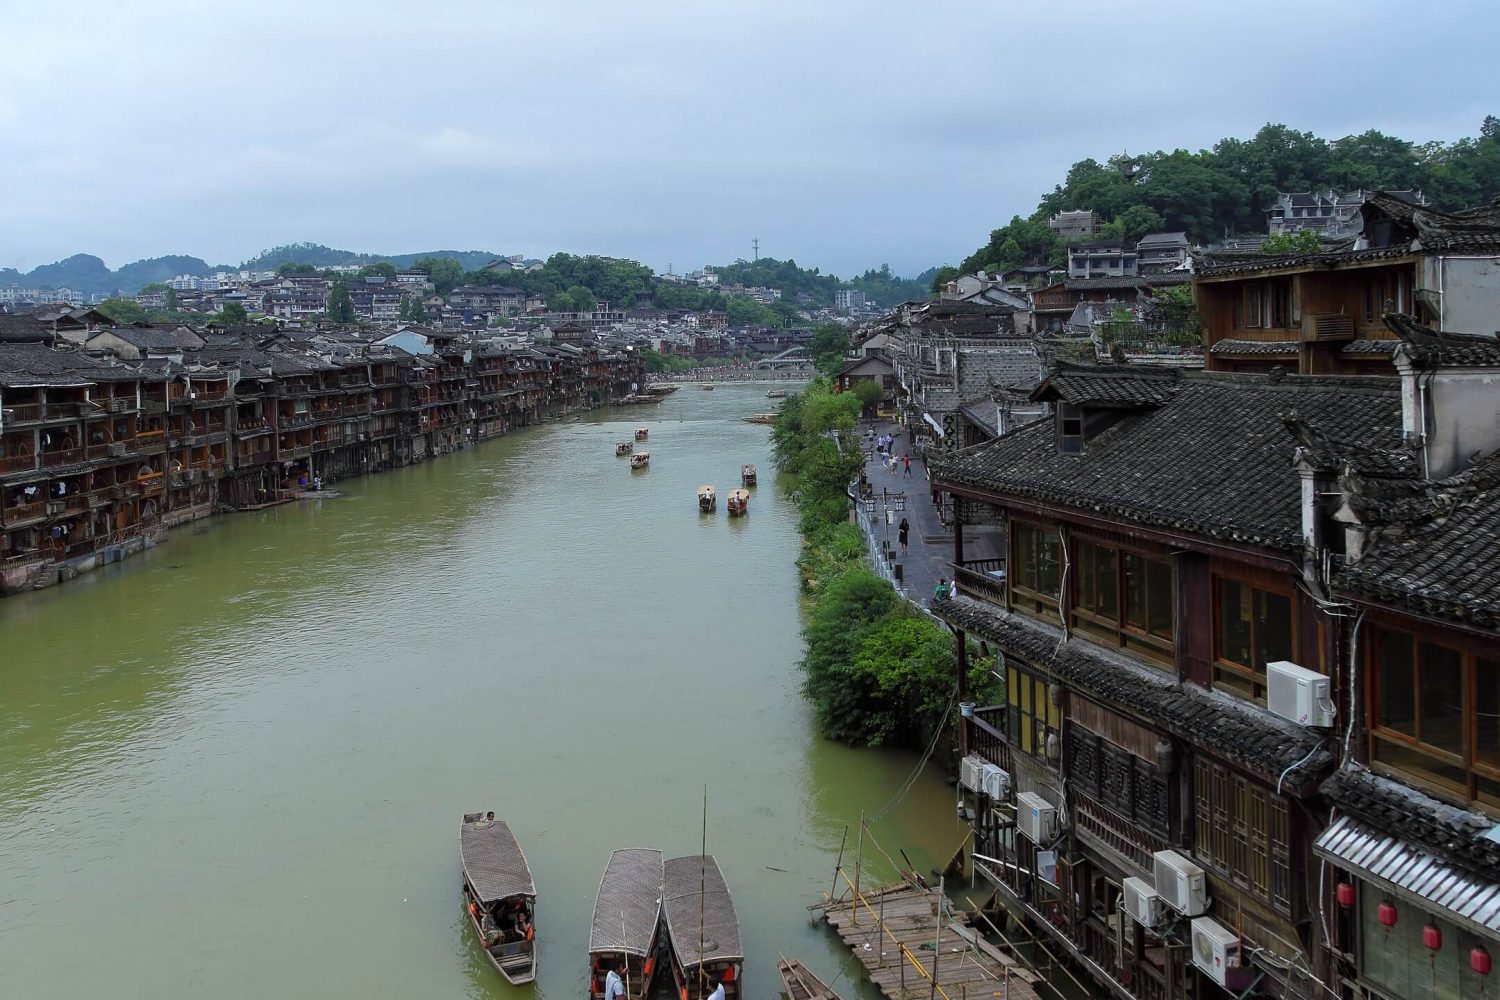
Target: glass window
1397, 667
1032, 715
1440, 699
1253, 627
1109, 578
1035, 566
1069, 429
1436, 715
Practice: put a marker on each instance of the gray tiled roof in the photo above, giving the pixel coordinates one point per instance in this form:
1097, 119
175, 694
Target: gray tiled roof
1456, 835
1097, 385
1212, 458
1436, 548
1434, 348
1218, 723
1278, 347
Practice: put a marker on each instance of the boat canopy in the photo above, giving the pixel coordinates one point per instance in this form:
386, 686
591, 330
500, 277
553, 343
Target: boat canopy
689, 880
629, 903
739, 494
493, 863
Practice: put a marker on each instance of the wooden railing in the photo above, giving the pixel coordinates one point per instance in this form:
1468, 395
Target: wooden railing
68, 456
17, 463
974, 579
987, 740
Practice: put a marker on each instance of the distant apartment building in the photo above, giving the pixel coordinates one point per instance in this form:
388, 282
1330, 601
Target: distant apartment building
14, 293
1079, 222
1101, 259
1157, 252
848, 300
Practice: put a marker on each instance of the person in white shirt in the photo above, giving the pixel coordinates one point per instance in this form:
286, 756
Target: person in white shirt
614, 988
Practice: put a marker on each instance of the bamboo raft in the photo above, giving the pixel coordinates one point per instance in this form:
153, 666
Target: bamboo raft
896, 934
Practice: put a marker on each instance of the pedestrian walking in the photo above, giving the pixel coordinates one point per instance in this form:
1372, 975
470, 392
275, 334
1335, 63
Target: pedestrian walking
906, 466
902, 533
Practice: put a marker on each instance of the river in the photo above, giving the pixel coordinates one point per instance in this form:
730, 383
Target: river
236, 765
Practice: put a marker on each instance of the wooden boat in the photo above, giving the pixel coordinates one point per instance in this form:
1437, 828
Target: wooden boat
747, 474
499, 896
775, 393
798, 982
708, 500
703, 929
706, 387
642, 433
626, 934
640, 460
739, 502
760, 418
624, 447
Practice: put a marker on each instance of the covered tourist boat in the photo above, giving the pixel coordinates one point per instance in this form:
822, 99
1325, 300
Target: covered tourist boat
739, 502
775, 393
624, 447
760, 418
626, 935
747, 474
798, 982
703, 929
499, 896
706, 387
640, 460
642, 433
708, 499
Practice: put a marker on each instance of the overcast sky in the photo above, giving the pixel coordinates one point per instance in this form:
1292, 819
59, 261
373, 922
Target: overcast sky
843, 134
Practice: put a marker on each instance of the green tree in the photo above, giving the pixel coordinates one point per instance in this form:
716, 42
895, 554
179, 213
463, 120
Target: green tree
828, 344
122, 311
867, 391
583, 298
340, 308
296, 267
444, 272
561, 302
1138, 220
380, 269
233, 314
944, 274
412, 310
1300, 241
171, 300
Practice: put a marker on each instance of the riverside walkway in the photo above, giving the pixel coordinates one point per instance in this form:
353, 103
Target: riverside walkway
893, 495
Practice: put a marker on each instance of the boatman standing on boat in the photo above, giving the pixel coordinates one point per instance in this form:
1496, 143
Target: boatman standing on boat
614, 988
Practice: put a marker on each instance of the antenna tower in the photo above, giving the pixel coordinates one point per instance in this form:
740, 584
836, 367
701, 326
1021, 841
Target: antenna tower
755, 249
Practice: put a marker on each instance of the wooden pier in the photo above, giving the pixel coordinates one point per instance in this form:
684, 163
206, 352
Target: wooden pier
911, 952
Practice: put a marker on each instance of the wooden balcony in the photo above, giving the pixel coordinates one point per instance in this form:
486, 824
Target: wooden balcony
67, 456
17, 463
987, 737
981, 579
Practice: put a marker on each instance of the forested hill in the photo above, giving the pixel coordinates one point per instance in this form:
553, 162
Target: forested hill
1228, 188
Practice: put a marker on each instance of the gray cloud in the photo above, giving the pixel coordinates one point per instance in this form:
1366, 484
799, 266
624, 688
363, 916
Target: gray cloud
842, 134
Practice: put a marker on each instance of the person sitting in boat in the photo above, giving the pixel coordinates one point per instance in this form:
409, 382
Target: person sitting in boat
718, 993
521, 926
490, 927
614, 986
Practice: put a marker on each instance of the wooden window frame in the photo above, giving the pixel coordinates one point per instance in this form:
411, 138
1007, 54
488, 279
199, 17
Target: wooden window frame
1120, 632
1026, 732
1243, 833
1475, 770
1221, 664
1024, 597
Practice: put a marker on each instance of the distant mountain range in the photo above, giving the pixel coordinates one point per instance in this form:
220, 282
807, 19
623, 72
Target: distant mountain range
88, 274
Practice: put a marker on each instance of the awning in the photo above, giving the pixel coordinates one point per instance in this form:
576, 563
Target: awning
931, 420
1412, 873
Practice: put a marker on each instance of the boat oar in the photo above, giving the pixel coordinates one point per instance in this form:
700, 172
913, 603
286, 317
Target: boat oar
625, 952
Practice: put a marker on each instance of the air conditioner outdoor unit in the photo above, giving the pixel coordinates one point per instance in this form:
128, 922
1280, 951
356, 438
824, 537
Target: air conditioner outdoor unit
970, 773
1143, 903
1327, 326
1182, 884
996, 781
1215, 950
1298, 694
1036, 818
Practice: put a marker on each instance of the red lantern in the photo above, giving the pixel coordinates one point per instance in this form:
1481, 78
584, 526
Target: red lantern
1346, 894
1479, 960
1432, 937
1387, 914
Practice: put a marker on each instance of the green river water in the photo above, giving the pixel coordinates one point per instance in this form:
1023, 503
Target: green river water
235, 766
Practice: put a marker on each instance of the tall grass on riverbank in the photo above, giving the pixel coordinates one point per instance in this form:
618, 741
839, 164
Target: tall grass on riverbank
877, 670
